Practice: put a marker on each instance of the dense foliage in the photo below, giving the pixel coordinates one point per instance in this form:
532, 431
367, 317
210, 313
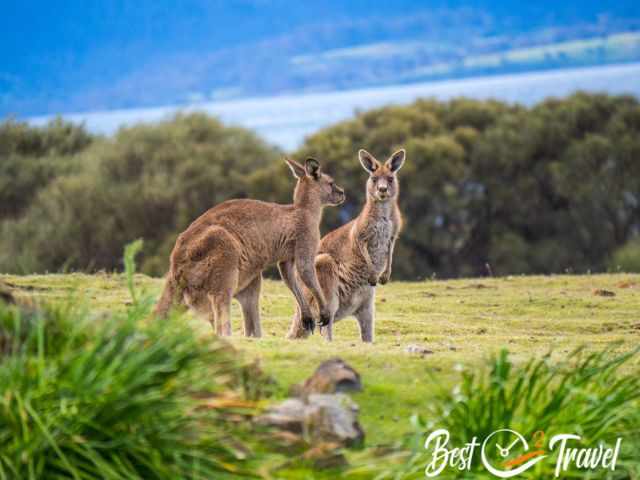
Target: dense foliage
488, 187
88, 396
147, 182
495, 188
31, 157
588, 394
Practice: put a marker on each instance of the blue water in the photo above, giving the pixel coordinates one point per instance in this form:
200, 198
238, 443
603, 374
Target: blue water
286, 120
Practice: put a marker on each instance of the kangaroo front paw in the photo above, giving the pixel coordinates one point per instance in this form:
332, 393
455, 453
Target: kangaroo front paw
373, 280
308, 324
384, 278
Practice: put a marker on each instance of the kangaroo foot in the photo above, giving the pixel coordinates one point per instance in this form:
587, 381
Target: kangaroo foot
308, 324
325, 319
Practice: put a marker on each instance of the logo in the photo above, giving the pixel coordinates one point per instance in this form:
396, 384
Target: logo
506, 453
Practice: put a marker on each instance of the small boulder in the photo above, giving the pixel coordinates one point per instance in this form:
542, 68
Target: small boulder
332, 376
321, 418
320, 412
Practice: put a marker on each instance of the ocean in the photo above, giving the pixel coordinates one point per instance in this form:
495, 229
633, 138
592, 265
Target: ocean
286, 120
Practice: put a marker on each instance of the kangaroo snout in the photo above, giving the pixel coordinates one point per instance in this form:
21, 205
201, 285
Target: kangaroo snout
337, 196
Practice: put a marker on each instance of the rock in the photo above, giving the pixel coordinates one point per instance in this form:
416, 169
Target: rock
320, 413
332, 376
289, 416
319, 418
336, 419
417, 350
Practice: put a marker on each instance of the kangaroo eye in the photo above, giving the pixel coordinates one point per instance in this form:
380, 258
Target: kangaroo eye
390, 179
375, 179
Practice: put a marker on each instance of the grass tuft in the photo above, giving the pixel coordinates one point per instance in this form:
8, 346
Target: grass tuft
123, 397
586, 393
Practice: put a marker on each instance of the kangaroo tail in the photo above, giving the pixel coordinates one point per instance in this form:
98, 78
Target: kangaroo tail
170, 296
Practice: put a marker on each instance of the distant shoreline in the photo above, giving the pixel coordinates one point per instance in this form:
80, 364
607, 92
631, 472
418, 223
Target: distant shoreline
285, 120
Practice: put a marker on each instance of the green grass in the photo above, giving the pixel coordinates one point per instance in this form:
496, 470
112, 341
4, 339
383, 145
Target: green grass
111, 396
461, 321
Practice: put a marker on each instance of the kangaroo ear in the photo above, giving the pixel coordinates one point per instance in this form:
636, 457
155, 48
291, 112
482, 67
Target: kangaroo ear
369, 163
312, 166
297, 169
396, 160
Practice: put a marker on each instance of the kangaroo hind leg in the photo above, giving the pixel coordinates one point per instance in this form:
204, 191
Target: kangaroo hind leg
326, 271
365, 316
219, 267
249, 299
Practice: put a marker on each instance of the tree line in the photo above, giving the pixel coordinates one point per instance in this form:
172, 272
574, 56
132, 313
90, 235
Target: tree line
489, 188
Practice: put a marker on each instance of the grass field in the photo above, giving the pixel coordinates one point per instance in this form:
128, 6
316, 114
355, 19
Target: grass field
459, 321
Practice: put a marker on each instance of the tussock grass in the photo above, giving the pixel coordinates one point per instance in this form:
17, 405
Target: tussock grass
114, 396
588, 394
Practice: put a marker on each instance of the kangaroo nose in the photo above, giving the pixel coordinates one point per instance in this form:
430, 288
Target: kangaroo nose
382, 188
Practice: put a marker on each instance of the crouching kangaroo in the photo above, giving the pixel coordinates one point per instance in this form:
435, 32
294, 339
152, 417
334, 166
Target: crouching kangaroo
222, 254
355, 257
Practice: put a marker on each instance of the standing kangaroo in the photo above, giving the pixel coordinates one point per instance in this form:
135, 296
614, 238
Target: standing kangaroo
222, 254
353, 258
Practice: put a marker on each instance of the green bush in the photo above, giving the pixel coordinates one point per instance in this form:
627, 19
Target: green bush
487, 186
149, 181
30, 157
115, 396
595, 395
627, 257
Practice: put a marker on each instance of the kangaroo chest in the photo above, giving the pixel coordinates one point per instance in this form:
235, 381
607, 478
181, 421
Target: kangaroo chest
379, 234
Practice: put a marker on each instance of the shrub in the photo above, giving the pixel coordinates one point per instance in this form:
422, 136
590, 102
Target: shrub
115, 396
558, 182
595, 395
627, 257
30, 157
149, 181
546, 189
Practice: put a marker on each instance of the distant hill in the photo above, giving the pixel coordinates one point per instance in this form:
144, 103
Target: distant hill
81, 56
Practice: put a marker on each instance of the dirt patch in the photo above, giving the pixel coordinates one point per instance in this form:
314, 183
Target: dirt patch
28, 288
479, 286
5, 293
627, 284
601, 292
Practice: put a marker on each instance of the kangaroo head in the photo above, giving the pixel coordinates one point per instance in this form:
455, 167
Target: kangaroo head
314, 187
382, 185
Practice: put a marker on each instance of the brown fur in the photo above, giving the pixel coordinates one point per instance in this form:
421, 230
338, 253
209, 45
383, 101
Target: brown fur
355, 257
222, 254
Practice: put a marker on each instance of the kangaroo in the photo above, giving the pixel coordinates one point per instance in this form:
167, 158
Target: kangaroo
222, 254
356, 256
